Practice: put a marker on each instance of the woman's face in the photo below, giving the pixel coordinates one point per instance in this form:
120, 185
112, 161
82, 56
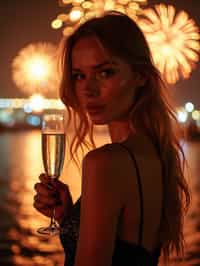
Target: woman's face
104, 85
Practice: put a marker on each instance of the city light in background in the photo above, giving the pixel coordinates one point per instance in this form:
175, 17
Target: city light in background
33, 107
28, 111
174, 40
34, 69
36, 103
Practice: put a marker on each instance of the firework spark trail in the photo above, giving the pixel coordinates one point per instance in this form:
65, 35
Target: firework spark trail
81, 10
174, 40
34, 69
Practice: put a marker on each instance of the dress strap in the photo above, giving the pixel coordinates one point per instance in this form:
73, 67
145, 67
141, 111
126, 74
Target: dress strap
138, 176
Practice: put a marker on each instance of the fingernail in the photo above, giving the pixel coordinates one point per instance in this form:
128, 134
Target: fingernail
49, 185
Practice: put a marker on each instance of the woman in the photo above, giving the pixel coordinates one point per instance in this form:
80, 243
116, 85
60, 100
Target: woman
133, 189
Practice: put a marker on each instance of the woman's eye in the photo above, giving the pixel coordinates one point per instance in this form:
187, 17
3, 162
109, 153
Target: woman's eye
77, 76
106, 73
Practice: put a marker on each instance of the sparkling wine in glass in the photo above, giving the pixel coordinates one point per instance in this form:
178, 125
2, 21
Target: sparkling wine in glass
53, 153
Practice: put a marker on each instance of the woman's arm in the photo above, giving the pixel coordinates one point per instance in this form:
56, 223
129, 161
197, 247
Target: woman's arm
101, 203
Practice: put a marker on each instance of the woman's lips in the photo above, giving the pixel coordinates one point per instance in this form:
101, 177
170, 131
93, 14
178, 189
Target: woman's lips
94, 109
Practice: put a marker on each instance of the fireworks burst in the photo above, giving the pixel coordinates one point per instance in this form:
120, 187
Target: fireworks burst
173, 39
34, 69
81, 10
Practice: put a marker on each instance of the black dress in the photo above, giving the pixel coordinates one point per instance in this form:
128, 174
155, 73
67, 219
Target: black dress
124, 253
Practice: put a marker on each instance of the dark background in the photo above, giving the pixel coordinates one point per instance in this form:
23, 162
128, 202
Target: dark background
23, 22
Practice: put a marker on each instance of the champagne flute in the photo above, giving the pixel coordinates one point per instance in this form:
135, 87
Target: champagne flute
53, 153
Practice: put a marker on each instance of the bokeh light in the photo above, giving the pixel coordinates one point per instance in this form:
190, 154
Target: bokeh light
56, 24
34, 69
37, 102
189, 107
174, 40
78, 11
196, 115
182, 115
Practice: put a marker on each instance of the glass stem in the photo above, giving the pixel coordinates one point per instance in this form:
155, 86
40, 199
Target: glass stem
53, 221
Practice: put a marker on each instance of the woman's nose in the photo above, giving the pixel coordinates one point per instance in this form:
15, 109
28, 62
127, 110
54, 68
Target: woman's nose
92, 87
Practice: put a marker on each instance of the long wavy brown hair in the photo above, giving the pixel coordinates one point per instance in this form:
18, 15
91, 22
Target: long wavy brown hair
152, 113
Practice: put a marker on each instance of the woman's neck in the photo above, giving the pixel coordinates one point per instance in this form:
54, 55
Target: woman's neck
119, 130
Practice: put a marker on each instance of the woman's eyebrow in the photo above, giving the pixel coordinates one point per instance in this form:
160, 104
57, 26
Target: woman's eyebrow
98, 65
104, 64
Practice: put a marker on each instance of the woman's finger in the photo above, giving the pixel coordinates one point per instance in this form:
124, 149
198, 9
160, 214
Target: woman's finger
44, 178
63, 189
44, 190
46, 211
46, 201
48, 181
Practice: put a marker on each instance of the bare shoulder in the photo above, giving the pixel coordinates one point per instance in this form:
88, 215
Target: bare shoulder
103, 170
108, 157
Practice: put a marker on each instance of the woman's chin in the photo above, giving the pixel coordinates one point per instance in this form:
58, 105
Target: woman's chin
99, 118
98, 121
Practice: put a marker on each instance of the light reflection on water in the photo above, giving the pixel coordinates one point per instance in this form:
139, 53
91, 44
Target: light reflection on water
20, 166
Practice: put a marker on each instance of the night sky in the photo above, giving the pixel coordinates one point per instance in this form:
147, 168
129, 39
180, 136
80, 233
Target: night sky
28, 21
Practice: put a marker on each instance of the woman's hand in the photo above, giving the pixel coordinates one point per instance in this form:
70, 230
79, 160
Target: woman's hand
50, 194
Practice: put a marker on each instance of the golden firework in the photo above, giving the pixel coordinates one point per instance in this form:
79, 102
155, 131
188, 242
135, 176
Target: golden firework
34, 69
173, 39
81, 10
